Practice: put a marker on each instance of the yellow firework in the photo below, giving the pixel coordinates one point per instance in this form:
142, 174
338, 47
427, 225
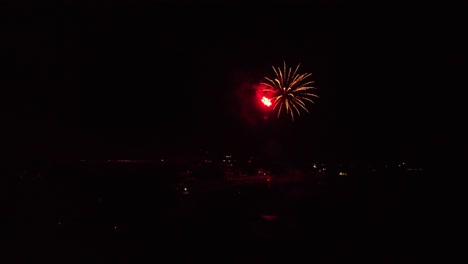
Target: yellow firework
292, 92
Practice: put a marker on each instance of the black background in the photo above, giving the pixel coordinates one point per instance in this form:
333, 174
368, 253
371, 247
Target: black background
138, 79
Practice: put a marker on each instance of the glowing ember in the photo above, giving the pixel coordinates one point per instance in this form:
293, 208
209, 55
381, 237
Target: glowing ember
266, 101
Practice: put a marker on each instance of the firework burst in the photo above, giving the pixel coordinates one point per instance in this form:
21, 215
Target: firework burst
291, 91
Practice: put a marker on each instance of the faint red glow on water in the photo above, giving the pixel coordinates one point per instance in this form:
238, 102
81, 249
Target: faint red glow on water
269, 217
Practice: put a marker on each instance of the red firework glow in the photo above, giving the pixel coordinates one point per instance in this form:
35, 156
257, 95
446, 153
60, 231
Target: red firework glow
266, 101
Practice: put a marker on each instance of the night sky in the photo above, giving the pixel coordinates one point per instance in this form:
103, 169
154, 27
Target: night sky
139, 79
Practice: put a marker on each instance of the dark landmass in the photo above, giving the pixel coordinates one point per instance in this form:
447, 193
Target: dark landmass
105, 212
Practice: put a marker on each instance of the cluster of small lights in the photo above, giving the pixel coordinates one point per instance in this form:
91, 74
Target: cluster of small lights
320, 167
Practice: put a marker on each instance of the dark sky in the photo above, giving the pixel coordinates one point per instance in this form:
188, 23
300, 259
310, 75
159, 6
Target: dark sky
135, 79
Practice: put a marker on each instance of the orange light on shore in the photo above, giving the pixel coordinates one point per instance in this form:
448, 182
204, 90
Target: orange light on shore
266, 101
